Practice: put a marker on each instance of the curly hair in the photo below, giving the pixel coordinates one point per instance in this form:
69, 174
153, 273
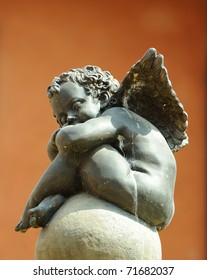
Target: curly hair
97, 83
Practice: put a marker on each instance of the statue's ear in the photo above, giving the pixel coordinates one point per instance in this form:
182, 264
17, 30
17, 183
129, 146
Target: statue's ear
104, 100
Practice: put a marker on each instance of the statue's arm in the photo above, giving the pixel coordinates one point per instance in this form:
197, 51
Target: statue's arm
94, 132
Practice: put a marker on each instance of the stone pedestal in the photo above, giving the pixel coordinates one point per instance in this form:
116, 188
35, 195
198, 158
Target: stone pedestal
87, 228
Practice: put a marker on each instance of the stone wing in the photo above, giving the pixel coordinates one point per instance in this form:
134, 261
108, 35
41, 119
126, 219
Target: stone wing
147, 91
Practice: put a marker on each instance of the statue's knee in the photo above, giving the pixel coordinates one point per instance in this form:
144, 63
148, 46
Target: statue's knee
62, 140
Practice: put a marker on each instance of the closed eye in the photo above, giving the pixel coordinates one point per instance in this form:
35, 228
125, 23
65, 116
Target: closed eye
77, 103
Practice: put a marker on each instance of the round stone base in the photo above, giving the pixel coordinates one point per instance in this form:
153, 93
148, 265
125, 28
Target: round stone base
87, 228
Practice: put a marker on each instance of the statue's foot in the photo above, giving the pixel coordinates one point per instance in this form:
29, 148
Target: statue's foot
22, 226
41, 214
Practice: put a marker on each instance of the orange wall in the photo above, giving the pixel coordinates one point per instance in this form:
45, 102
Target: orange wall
41, 39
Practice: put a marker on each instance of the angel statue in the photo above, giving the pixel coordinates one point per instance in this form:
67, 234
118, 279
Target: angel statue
115, 142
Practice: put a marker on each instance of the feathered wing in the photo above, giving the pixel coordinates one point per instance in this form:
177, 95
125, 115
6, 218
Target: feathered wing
147, 91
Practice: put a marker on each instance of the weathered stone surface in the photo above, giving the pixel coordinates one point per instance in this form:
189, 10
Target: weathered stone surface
87, 228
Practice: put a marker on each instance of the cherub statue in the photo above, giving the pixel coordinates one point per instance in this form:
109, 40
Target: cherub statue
115, 142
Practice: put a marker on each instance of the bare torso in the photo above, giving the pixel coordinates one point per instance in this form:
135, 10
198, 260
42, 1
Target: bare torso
144, 147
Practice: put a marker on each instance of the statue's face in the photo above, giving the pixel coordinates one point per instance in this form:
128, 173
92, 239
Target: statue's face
72, 105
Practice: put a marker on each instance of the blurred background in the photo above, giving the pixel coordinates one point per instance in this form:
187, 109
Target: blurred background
40, 40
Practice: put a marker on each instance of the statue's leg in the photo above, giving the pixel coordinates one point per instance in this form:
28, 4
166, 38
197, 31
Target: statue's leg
59, 178
108, 175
